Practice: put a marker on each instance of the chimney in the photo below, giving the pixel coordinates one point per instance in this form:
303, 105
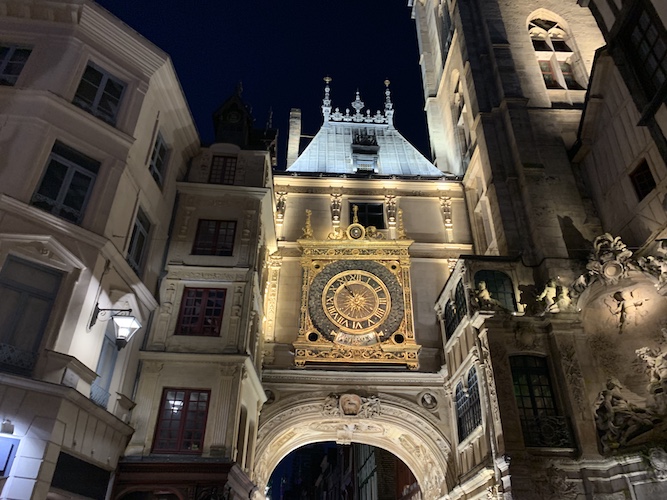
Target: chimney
294, 138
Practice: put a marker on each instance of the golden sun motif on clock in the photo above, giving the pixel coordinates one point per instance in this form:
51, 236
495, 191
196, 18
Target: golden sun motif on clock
356, 301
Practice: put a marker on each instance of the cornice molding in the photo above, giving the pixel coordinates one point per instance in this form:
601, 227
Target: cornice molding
293, 184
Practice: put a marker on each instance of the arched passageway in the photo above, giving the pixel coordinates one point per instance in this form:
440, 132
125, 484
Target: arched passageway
381, 420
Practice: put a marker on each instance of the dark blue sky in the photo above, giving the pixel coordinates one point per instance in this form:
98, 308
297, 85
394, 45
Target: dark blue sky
281, 51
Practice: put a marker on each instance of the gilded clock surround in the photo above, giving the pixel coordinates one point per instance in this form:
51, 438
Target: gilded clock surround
356, 302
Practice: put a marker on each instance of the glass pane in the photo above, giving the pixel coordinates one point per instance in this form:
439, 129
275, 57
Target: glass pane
77, 193
33, 314
53, 180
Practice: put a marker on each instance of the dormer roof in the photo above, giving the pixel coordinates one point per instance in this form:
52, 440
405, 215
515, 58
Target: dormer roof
354, 142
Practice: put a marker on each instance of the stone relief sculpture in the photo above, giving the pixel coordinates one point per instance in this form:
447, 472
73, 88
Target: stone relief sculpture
625, 307
658, 459
548, 297
619, 420
351, 405
484, 299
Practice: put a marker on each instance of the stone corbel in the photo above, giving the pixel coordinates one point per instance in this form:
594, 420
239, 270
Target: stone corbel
336, 206
390, 203
446, 207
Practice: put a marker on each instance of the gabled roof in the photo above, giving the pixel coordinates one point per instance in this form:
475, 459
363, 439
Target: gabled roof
350, 143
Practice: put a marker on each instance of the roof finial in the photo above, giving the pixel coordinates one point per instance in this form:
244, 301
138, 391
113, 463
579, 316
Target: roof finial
239, 88
358, 105
326, 102
388, 105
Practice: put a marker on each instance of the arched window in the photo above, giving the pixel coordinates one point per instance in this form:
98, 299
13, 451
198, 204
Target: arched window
499, 286
460, 302
455, 310
556, 54
468, 409
450, 319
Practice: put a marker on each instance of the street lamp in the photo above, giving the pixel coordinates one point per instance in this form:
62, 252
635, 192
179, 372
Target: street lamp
125, 325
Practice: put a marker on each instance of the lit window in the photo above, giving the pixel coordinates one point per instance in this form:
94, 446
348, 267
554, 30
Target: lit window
554, 53
12, 60
499, 286
28, 292
223, 170
468, 409
182, 421
369, 214
215, 237
201, 312
66, 184
99, 93
159, 160
642, 180
541, 422
136, 252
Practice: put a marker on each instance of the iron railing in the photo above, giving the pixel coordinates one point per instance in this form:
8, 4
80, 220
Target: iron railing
547, 432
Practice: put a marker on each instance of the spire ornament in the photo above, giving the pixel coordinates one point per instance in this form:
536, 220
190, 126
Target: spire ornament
326, 102
388, 105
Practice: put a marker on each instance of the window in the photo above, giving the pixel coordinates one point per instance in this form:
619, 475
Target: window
99, 93
223, 170
215, 237
645, 41
159, 160
8, 447
99, 389
499, 286
136, 253
12, 60
182, 421
541, 422
642, 180
201, 312
468, 409
555, 54
455, 310
368, 214
67, 183
28, 292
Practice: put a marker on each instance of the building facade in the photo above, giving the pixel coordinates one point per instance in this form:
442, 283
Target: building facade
95, 133
495, 318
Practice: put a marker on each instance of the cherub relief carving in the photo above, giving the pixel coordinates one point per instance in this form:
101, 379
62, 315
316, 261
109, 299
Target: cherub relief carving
625, 307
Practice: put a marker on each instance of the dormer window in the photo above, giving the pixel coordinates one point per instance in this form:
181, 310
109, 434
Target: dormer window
365, 153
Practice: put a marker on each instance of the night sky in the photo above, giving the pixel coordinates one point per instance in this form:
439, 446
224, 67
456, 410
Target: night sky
280, 51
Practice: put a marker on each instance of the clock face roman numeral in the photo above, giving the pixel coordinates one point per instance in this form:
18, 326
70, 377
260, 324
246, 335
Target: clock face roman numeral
356, 302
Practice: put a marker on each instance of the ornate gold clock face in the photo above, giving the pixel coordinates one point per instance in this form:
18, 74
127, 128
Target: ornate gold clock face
356, 301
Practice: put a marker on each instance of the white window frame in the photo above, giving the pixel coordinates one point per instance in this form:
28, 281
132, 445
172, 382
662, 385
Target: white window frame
58, 204
158, 164
136, 262
6, 79
93, 108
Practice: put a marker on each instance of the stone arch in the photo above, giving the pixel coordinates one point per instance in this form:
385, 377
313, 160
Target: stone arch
392, 423
543, 13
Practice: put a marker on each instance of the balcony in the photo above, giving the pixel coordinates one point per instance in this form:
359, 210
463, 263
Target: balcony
17, 361
547, 432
